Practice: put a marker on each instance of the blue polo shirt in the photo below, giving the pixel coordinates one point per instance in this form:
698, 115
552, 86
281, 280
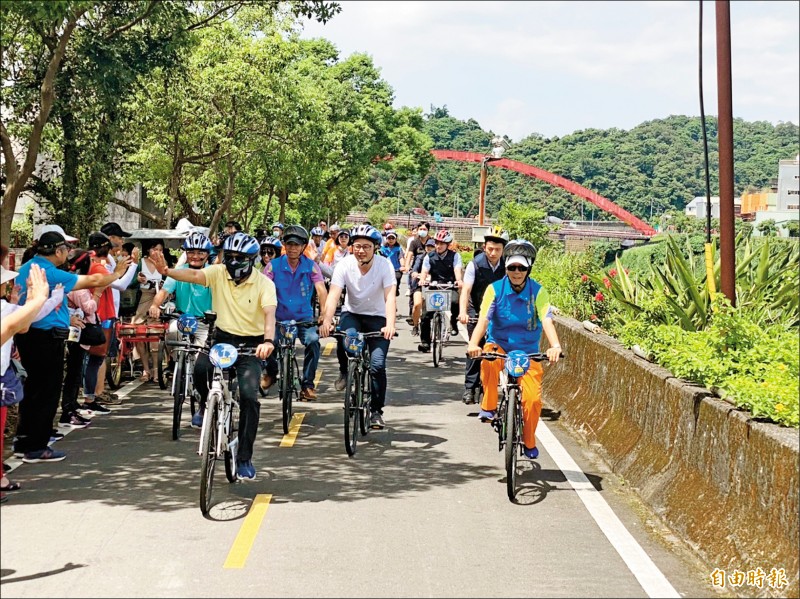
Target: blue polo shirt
189, 298
57, 318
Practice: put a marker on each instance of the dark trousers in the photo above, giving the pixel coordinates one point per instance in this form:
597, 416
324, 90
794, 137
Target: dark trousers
248, 373
472, 370
43, 359
379, 348
425, 322
72, 377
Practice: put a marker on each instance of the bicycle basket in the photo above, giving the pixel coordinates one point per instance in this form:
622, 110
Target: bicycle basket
288, 330
353, 342
517, 363
187, 324
437, 300
223, 355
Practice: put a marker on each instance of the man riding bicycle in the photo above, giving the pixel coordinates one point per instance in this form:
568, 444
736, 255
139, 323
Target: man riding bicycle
245, 303
442, 266
296, 277
369, 306
189, 298
487, 267
513, 314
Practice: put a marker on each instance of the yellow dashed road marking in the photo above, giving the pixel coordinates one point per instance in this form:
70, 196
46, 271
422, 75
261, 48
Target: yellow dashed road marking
294, 428
237, 556
328, 348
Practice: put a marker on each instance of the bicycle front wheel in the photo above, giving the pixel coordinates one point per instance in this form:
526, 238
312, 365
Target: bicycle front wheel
286, 388
365, 400
436, 339
352, 393
114, 371
208, 452
178, 395
511, 449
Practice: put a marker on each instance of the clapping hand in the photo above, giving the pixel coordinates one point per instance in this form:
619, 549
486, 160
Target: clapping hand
38, 287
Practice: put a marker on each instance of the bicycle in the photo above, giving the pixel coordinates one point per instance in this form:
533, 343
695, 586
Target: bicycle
358, 389
508, 419
289, 371
219, 434
437, 298
183, 374
127, 336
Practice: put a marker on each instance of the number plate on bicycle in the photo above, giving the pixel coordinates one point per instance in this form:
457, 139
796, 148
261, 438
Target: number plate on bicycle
436, 300
223, 355
288, 331
353, 344
517, 363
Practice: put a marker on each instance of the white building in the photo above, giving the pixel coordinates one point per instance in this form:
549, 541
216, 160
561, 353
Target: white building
787, 207
697, 207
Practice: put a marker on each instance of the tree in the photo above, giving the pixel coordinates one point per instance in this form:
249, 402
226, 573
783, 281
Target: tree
767, 227
524, 222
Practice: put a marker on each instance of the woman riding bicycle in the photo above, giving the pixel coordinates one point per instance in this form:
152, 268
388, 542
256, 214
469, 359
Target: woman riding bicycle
514, 311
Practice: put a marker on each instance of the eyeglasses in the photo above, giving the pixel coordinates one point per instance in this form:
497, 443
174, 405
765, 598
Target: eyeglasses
516, 268
361, 247
197, 253
268, 252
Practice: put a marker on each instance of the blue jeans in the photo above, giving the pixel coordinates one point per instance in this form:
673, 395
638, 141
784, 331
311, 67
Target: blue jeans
309, 337
378, 346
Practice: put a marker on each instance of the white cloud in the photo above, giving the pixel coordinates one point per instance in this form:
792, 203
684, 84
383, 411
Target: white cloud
554, 67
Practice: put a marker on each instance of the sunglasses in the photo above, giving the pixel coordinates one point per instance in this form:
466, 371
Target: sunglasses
268, 252
516, 268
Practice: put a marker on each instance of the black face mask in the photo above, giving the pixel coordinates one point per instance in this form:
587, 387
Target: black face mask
239, 268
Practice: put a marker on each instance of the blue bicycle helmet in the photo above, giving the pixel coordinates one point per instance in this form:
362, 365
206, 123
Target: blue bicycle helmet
317, 231
197, 241
365, 232
273, 241
278, 225
241, 242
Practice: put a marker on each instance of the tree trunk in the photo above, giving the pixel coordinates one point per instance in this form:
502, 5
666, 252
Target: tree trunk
283, 195
226, 203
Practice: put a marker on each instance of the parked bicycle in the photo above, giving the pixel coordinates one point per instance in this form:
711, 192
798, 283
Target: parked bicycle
121, 359
508, 420
219, 438
437, 298
289, 380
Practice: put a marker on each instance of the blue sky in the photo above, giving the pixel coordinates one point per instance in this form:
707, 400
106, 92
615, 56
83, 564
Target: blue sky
555, 67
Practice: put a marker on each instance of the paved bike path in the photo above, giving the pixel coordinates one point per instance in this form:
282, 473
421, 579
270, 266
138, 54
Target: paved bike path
421, 510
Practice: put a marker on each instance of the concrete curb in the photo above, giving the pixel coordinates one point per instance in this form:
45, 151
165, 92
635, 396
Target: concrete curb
729, 485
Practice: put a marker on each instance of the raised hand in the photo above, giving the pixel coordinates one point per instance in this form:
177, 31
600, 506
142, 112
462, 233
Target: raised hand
37, 284
159, 262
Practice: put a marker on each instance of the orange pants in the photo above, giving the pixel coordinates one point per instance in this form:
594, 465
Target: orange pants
530, 383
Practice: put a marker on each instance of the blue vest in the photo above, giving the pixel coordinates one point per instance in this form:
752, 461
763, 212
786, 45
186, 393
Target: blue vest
515, 324
294, 289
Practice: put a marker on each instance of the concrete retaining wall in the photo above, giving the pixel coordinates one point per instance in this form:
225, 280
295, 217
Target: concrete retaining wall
728, 484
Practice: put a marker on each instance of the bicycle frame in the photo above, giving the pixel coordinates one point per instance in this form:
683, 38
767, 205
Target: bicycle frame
288, 369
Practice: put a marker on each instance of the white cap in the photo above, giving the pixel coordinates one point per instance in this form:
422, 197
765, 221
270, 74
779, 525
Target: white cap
57, 229
6, 275
518, 259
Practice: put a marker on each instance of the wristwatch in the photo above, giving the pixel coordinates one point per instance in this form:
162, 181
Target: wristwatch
269, 341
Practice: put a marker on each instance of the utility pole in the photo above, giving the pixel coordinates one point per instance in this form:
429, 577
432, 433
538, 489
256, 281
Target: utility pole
727, 249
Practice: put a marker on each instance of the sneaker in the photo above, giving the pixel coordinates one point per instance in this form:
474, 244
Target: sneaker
340, 382
410, 321
245, 469
95, 407
111, 399
454, 331
308, 394
267, 380
55, 436
73, 420
469, 396
415, 331
531, 454
486, 415
197, 419
376, 421
424, 347
44, 455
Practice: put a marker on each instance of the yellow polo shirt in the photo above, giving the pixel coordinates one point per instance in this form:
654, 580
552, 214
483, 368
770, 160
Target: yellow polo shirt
240, 308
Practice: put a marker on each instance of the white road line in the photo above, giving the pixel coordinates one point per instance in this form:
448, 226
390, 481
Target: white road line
653, 581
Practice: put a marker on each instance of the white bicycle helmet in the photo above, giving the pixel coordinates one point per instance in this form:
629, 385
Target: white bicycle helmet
520, 247
241, 242
197, 241
365, 232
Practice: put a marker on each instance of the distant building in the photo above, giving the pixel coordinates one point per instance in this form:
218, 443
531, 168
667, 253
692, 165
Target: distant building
697, 207
787, 199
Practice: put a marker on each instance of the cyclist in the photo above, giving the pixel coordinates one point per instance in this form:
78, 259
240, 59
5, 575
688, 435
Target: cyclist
486, 268
317, 235
269, 248
189, 298
337, 252
443, 265
514, 311
392, 251
369, 306
296, 278
245, 302
277, 230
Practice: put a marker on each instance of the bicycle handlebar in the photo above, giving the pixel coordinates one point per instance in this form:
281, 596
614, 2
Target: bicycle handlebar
365, 335
299, 323
536, 357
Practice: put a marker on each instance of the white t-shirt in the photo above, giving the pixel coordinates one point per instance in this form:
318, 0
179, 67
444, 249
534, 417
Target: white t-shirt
119, 284
365, 293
